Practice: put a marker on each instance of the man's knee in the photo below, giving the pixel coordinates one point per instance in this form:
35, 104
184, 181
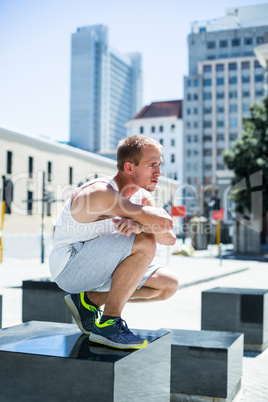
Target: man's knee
145, 243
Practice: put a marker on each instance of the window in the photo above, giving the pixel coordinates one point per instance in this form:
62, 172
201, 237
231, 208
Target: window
195, 110
245, 79
207, 152
259, 92
233, 136
207, 68
195, 124
189, 152
245, 108
161, 141
257, 64
207, 96
232, 80
220, 81
172, 158
30, 166
220, 109
220, 123
70, 175
161, 129
233, 122
189, 138
207, 110
220, 151
236, 42
259, 78
49, 171
211, 57
172, 127
172, 142
195, 83
245, 65
9, 162
196, 139
219, 67
260, 39
188, 111
233, 94
220, 166
232, 66
29, 203
189, 97
211, 44
207, 82
152, 129
207, 124
195, 96
233, 108
208, 166
189, 83
220, 95
141, 130
223, 43
220, 137
245, 94
207, 138
248, 41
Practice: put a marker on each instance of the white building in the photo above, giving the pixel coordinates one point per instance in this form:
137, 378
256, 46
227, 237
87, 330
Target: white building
23, 159
106, 90
163, 122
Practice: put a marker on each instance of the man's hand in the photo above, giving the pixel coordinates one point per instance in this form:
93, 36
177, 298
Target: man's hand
127, 226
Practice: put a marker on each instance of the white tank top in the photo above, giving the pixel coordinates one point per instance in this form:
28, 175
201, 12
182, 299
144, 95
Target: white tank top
68, 231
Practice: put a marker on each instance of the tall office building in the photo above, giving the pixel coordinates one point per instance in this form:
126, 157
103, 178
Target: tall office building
106, 90
224, 78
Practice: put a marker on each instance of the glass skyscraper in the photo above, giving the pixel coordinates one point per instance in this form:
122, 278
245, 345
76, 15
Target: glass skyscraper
106, 90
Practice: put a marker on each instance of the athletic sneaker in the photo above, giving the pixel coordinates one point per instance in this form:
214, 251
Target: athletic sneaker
84, 314
115, 333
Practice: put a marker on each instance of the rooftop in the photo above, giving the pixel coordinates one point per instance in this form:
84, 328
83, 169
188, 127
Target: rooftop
161, 109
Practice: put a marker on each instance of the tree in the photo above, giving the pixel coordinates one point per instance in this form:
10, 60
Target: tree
250, 155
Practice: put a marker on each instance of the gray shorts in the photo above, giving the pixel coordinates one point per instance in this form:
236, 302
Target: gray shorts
92, 264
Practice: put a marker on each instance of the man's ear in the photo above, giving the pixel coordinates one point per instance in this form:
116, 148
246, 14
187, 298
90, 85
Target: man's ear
128, 166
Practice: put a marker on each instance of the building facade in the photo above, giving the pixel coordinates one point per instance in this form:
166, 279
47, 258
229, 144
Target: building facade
106, 90
224, 78
163, 122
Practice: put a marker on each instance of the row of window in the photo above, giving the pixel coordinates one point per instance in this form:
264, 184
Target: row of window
233, 94
160, 129
172, 142
207, 138
207, 82
233, 122
235, 42
219, 109
9, 168
232, 66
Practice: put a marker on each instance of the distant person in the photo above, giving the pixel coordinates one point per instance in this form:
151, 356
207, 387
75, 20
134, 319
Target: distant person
105, 241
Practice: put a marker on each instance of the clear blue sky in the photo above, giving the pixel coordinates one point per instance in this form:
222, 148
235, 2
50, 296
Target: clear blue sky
35, 43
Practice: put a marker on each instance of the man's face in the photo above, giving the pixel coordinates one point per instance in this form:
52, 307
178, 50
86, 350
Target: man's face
147, 173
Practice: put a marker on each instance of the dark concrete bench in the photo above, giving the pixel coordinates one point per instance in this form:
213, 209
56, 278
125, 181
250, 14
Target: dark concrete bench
238, 310
205, 365
43, 300
42, 361
0, 311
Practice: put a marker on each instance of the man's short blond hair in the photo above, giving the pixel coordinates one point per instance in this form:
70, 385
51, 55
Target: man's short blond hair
130, 149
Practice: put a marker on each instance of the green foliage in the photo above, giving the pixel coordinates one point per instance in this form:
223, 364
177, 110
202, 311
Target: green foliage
250, 155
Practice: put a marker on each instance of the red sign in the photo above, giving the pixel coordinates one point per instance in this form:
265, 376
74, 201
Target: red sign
218, 215
178, 211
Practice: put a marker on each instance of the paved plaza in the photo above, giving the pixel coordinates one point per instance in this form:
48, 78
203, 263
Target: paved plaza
200, 272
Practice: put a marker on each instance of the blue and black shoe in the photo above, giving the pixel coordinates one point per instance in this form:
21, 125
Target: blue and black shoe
84, 314
116, 334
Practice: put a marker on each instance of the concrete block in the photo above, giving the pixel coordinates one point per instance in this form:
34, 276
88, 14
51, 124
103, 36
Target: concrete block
1, 311
237, 310
205, 365
53, 362
43, 300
